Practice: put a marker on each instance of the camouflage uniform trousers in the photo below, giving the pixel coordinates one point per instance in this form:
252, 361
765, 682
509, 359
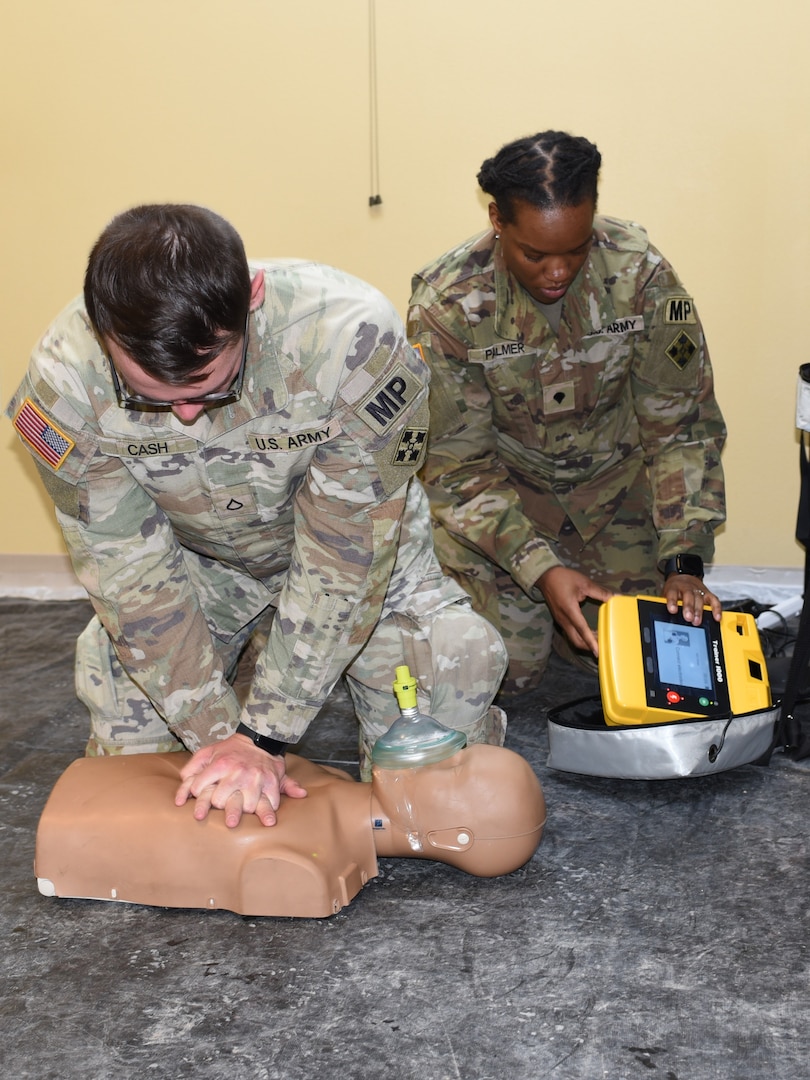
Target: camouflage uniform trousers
622, 557
456, 655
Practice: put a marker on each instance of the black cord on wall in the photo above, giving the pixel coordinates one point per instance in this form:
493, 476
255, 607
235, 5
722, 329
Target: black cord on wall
374, 142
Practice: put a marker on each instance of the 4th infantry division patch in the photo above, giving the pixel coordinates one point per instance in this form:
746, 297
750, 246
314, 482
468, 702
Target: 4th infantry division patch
681, 350
410, 446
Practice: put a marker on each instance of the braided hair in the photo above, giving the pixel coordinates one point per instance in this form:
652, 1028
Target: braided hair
550, 169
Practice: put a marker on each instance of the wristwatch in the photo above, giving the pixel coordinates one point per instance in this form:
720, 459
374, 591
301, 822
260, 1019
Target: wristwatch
683, 564
264, 742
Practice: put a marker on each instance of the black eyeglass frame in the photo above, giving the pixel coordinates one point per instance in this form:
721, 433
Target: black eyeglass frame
128, 400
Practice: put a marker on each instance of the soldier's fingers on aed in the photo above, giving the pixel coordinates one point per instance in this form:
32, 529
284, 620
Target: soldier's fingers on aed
589, 641
576, 626
703, 600
581, 637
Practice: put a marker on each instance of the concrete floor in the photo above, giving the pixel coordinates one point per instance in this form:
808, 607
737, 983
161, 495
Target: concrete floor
661, 930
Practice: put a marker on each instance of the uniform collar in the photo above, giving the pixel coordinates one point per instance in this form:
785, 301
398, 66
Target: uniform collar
264, 389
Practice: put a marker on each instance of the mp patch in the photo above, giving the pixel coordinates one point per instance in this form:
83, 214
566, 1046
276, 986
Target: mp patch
680, 309
385, 401
42, 435
681, 350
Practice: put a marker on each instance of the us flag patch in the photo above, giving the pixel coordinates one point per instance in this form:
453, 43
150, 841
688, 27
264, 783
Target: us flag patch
42, 435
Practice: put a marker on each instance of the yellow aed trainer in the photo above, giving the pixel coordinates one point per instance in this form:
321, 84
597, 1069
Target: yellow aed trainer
654, 667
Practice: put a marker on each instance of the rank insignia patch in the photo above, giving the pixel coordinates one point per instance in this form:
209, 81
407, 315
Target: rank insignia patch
558, 398
681, 350
410, 446
42, 435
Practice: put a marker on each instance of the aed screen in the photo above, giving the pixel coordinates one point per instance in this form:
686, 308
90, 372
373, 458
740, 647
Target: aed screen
683, 657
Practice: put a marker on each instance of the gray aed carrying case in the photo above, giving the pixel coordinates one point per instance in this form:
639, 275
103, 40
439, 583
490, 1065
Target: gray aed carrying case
581, 742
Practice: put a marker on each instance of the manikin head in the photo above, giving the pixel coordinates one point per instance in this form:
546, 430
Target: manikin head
482, 810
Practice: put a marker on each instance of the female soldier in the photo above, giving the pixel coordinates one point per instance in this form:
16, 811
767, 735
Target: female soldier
575, 438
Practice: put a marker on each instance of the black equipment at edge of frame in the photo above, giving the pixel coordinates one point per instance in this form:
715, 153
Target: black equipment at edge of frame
789, 735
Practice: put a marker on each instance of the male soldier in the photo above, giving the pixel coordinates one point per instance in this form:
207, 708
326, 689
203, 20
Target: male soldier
575, 439
221, 439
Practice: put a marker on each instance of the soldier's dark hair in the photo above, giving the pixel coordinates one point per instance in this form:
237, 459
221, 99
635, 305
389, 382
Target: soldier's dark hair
547, 170
170, 284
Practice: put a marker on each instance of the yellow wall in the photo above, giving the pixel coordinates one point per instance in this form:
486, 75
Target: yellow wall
260, 109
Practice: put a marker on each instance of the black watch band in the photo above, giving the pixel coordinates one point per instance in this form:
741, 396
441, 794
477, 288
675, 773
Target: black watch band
264, 742
684, 564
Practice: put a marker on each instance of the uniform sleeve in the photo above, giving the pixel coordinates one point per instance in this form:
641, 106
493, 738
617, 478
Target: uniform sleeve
682, 428
348, 514
471, 494
125, 555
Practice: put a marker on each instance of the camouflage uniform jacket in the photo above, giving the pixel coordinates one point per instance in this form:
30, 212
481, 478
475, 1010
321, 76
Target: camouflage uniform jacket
293, 496
530, 426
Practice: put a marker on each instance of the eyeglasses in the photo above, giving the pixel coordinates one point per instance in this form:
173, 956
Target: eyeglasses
127, 399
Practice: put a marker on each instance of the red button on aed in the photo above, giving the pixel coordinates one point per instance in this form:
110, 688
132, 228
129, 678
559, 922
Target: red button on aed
673, 697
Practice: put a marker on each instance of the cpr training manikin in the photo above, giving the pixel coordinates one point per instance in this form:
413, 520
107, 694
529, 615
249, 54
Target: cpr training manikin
111, 830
